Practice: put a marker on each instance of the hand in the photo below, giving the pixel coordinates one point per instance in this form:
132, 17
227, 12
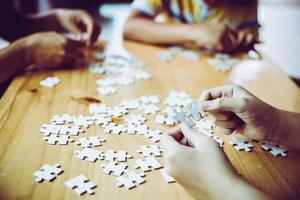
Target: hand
218, 38
51, 50
77, 22
222, 38
236, 109
202, 168
199, 168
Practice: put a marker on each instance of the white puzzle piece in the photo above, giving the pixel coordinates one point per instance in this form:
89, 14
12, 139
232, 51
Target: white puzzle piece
48, 129
147, 163
166, 176
47, 172
81, 185
135, 119
241, 144
137, 129
98, 108
93, 141
50, 82
58, 139
107, 90
89, 154
130, 180
165, 120
274, 149
165, 56
117, 169
118, 156
149, 109
154, 136
153, 150
62, 119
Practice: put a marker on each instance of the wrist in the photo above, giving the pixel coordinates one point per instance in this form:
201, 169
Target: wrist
19, 49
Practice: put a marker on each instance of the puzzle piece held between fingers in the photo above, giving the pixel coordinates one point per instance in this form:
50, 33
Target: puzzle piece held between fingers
181, 117
47, 172
274, 149
241, 144
81, 185
130, 180
194, 111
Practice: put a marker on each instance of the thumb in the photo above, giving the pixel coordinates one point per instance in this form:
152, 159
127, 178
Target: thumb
169, 144
224, 104
196, 138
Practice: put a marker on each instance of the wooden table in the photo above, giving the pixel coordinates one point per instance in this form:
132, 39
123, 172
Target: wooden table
25, 106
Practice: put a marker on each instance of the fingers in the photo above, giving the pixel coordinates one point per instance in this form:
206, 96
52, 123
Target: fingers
236, 105
231, 123
194, 137
91, 27
169, 144
217, 92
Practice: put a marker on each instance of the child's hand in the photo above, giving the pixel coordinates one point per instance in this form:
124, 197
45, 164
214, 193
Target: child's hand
236, 109
218, 38
51, 50
199, 168
78, 22
202, 168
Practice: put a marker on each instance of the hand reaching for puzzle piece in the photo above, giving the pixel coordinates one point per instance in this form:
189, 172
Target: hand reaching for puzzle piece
202, 168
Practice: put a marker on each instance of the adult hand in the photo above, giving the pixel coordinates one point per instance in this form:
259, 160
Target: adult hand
198, 168
77, 22
50, 50
202, 168
236, 109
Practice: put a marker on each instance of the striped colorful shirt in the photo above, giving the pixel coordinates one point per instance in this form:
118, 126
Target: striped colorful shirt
237, 13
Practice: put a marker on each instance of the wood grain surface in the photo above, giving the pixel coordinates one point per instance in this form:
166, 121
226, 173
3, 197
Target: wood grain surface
26, 105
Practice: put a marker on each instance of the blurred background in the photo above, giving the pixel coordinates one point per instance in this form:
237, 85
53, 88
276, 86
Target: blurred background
280, 20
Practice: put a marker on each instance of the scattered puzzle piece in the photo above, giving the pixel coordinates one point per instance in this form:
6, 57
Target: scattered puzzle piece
89, 154
166, 176
274, 149
166, 120
117, 169
241, 144
47, 172
135, 119
50, 81
137, 129
58, 139
92, 141
147, 163
81, 185
154, 136
130, 180
118, 156
153, 150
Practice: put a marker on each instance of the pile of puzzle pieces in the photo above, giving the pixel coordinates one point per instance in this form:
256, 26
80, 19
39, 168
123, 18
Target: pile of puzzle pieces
179, 107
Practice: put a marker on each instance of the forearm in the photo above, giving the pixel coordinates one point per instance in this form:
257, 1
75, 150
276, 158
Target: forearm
287, 130
29, 24
240, 189
11, 60
149, 31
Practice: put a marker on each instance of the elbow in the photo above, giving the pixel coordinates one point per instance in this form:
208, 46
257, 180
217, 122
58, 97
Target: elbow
129, 29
